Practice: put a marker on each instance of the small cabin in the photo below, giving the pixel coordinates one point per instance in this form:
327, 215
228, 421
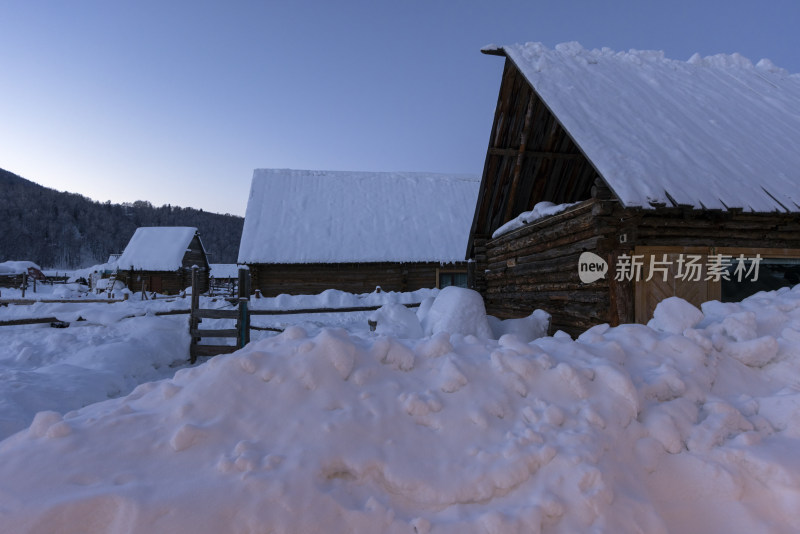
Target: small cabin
308, 231
16, 273
160, 259
615, 180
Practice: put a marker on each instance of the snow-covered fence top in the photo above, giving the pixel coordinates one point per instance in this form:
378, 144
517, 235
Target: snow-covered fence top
297, 216
715, 132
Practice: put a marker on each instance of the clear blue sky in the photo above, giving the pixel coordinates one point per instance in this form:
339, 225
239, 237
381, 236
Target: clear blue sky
176, 102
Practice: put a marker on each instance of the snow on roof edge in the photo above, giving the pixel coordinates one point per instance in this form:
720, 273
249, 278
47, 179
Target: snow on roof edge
776, 193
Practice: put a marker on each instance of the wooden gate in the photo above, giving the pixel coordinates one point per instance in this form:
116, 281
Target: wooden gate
241, 332
242, 314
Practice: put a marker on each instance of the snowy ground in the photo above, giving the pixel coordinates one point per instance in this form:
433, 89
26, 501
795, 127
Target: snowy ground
687, 425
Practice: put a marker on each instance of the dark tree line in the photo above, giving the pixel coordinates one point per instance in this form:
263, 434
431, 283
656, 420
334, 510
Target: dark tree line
69, 231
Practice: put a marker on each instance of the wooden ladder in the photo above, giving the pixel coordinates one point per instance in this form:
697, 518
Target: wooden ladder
111, 281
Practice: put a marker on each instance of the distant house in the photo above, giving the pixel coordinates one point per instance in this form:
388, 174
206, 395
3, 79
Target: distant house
681, 177
224, 272
308, 231
223, 278
160, 259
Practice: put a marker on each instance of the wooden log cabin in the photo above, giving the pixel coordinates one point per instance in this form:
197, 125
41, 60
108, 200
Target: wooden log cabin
680, 176
160, 259
308, 231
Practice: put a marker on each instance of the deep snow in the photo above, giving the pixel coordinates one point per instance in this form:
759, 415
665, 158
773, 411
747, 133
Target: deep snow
688, 424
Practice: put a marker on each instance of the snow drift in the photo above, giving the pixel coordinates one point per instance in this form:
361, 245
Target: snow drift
682, 427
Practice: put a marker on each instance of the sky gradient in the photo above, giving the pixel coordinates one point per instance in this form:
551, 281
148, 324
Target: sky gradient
177, 102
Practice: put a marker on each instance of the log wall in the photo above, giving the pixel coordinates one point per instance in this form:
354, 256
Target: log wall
685, 227
314, 278
537, 266
171, 282
11, 280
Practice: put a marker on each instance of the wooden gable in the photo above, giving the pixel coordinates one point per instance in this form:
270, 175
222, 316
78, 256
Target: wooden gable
530, 159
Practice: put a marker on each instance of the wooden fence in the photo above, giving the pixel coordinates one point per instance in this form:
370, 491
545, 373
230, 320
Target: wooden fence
241, 313
28, 302
59, 323
241, 332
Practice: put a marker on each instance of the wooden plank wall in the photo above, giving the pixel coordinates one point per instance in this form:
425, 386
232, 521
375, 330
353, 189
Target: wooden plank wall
314, 278
530, 159
686, 227
195, 255
172, 282
11, 280
536, 267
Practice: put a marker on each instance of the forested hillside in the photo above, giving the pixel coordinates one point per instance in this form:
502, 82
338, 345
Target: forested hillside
68, 231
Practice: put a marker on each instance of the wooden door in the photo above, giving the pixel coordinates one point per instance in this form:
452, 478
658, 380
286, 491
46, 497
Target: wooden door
672, 270
156, 283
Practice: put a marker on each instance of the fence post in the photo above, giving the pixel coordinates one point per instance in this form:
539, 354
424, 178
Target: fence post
243, 324
244, 282
471, 273
194, 321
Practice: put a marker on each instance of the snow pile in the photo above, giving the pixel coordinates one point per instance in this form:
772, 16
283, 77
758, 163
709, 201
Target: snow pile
674, 315
64, 291
397, 320
334, 298
713, 133
457, 311
105, 284
540, 210
625, 429
43, 368
110, 348
526, 329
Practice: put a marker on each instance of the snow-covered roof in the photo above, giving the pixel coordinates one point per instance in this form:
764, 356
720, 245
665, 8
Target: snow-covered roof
715, 132
223, 270
17, 267
157, 248
299, 216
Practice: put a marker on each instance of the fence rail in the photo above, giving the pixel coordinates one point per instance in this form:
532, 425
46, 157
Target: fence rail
41, 320
325, 310
242, 314
28, 302
29, 320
